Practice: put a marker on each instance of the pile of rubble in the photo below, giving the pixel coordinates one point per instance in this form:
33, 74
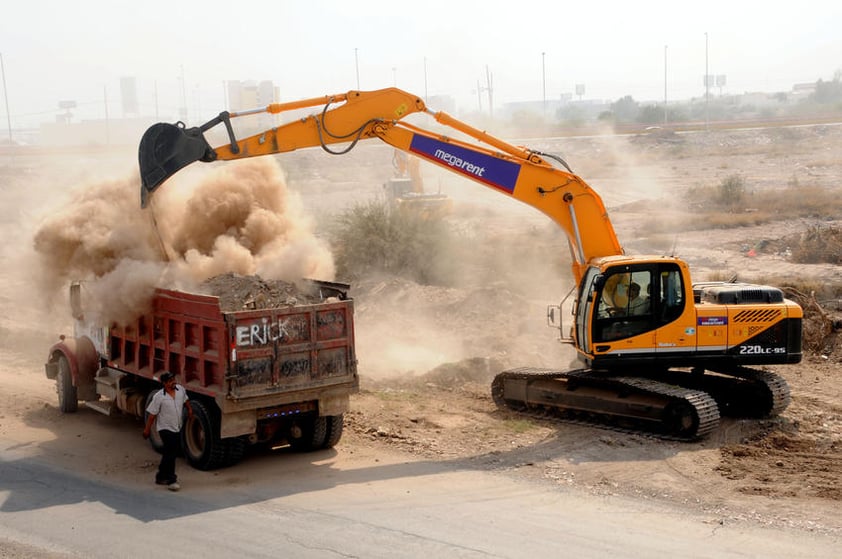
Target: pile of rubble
239, 293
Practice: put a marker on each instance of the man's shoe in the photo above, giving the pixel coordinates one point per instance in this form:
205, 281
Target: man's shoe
174, 486
161, 482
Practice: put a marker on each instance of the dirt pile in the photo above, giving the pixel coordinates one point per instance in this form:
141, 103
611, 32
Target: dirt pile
794, 458
238, 293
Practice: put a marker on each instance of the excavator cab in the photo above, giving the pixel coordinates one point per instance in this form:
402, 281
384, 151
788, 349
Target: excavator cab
631, 310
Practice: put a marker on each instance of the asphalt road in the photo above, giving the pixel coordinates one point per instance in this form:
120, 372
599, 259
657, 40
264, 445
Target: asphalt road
327, 506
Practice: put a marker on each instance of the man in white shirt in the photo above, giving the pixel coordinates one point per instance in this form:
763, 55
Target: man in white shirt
166, 407
637, 304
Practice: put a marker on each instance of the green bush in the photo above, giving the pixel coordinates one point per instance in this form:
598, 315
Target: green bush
370, 239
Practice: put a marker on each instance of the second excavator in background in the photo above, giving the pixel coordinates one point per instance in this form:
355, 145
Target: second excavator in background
657, 351
405, 190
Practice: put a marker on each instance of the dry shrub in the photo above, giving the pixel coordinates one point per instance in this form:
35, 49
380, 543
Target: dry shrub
818, 244
371, 239
731, 191
726, 220
799, 201
707, 220
819, 330
729, 205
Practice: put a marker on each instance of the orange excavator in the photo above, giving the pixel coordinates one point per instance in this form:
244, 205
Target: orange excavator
658, 353
405, 190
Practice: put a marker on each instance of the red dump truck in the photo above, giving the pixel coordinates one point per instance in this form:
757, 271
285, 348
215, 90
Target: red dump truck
271, 376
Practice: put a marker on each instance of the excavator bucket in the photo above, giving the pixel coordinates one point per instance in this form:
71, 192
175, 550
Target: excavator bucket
164, 150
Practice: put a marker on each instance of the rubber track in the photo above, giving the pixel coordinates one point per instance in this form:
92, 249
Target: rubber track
704, 405
773, 382
768, 393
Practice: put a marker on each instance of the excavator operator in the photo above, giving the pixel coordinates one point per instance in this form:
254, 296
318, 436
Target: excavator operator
637, 304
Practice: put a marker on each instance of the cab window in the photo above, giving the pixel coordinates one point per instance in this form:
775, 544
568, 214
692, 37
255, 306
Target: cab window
624, 305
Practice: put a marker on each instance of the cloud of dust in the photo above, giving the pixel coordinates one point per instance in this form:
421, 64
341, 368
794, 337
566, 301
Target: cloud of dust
404, 329
239, 217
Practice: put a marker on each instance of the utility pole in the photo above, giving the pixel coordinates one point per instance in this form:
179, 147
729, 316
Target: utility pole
707, 86
107, 127
665, 84
488, 80
6, 97
544, 82
357, 66
425, 79
183, 96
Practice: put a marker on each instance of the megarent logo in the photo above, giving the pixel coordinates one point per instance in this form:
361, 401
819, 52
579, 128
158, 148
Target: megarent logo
493, 171
459, 163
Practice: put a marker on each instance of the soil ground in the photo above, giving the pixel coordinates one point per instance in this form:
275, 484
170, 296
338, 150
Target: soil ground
427, 354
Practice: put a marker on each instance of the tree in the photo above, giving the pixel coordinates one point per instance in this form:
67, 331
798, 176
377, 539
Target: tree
650, 114
625, 109
828, 92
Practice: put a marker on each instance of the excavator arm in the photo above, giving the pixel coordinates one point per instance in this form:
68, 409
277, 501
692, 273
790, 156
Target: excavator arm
518, 172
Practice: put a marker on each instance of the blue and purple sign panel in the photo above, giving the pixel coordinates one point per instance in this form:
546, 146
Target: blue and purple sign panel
713, 320
492, 171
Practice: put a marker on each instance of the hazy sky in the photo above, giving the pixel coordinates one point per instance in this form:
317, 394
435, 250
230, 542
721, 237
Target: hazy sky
59, 50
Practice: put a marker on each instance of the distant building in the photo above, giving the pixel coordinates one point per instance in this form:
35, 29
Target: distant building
128, 97
245, 95
762, 100
94, 132
804, 88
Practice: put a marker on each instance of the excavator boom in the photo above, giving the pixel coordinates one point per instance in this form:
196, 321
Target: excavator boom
515, 171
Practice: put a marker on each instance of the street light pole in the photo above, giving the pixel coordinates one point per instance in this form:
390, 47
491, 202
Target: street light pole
183, 96
665, 84
707, 86
357, 66
544, 81
6, 97
107, 122
425, 79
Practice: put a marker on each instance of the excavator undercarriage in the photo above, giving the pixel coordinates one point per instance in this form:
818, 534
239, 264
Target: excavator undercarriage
672, 404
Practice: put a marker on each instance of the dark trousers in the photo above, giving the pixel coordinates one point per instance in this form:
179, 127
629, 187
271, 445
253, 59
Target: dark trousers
172, 447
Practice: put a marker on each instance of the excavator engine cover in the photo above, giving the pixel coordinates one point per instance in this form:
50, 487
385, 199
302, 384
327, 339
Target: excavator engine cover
164, 150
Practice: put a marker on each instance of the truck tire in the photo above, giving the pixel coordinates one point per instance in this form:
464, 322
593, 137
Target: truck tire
314, 431
335, 424
203, 448
154, 436
235, 449
68, 401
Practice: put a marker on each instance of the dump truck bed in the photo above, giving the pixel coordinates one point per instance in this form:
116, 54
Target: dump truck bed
240, 358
